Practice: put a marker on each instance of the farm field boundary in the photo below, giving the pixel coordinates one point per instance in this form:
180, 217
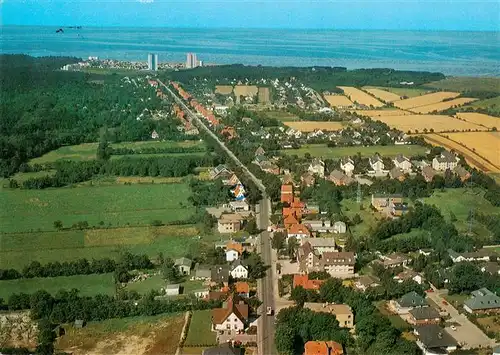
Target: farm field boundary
426, 99
441, 106
480, 119
361, 97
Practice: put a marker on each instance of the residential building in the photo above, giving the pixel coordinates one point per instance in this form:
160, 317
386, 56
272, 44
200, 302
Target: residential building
339, 178
461, 173
239, 206
323, 226
220, 274
202, 293
479, 255
376, 163
221, 171
408, 302
496, 350
232, 254
409, 275
217, 295
444, 161
223, 349
232, 318
423, 315
201, 272
402, 163
233, 180
172, 290
365, 282
428, 173
317, 167
290, 220
491, 267
260, 151
347, 165
286, 193
394, 260
342, 312
339, 227
152, 61
381, 202
299, 231
303, 280
321, 245
432, 339
323, 348
229, 223
184, 266
191, 61
242, 288
238, 270
338, 263
482, 301
307, 179
399, 209
397, 174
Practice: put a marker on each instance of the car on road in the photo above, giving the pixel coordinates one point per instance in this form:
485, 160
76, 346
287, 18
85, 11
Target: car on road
453, 327
445, 303
269, 311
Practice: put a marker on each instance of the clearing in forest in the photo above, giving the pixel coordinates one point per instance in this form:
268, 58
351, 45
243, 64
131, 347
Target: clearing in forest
427, 99
361, 97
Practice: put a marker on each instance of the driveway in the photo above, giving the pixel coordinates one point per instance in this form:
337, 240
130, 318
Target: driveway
467, 333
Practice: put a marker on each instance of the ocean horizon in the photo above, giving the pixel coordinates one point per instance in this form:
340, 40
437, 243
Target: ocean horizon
454, 53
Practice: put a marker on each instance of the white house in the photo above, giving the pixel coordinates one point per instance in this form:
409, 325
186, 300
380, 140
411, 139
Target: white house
317, 167
347, 165
202, 293
402, 163
339, 227
238, 270
232, 255
376, 163
232, 318
446, 160
172, 290
299, 231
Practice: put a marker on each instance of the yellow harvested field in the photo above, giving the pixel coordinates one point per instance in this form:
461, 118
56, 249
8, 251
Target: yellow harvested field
338, 100
472, 157
480, 119
246, 90
223, 89
383, 95
485, 144
423, 100
378, 113
439, 123
360, 97
311, 126
442, 105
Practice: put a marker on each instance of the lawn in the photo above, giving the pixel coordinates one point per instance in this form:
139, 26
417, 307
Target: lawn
21, 177
409, 92
156, 282
17, 250
456, 300
87, 151
370, 219
492, 104
120, 205
87, 284
467, 84
282, 115
396, 321
133, 335
321, 150
199, 333
459, 202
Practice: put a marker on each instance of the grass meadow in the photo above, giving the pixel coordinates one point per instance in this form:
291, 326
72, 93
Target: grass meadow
87, 284
409, 92
467, 84
321, 150
199, 333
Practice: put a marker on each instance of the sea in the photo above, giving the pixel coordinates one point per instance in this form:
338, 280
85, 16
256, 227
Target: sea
451, 53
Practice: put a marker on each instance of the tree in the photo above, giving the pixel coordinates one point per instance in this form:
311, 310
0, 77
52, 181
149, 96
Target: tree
299, 296
356, 219
292, 247
256, 267
278, 241
285, 339
170, 272
466, 277
251, 226
103, 150
58, 225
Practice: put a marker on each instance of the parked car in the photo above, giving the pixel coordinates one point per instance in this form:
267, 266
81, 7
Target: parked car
269, 311
453, 327
445, 303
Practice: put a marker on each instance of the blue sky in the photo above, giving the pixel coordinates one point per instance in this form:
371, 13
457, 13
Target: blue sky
480, 15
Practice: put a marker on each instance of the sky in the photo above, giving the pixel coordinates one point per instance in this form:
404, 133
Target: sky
467, 15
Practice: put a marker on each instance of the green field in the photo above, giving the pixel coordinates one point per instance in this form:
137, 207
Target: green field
156, 282
200, 333
87, 284
282, 116
370, 219
321, 150
493, 105
87, 151
120, 205
467, 84
409, 92
459, 202
21, 177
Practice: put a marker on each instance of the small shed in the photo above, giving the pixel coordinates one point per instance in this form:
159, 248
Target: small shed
79, 323
172, 290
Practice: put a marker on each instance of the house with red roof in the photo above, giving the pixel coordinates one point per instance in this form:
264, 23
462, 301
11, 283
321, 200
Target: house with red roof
299, 231
242, 288
232, 317
303, 280
286, 193
323, 348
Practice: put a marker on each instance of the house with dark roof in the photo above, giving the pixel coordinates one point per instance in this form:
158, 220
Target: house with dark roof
184, 265
428, 173
365, 282
380, 202
402, 163
461, 173
221, 171
423, 315
220, 274
478, 255
482, 301
232, 317
260, 151
491, 267
432, 339
339, 178
201, 272
397, 174
307, 179
444, 161
408, 302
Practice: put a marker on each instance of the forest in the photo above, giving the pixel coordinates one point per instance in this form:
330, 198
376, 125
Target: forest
43, 108
319, 78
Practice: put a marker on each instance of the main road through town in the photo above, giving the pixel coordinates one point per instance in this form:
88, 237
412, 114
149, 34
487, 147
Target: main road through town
265, 286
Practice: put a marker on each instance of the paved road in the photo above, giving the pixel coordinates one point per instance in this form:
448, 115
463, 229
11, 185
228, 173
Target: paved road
265, 286
466, 331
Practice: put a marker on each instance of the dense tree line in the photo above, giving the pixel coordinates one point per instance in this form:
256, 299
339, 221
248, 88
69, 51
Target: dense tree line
375, 334
153, 150
126, 262
319, 78
71, 172
68, 306
42, 108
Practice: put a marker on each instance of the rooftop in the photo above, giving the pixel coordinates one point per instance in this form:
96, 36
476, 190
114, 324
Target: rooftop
422, 313
433, 336
327, 307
